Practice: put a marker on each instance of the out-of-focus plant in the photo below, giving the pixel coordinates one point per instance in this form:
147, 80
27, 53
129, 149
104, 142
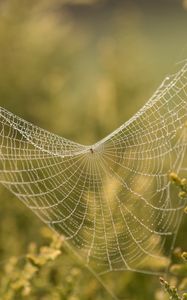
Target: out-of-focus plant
181, 183
184, 3
29, 279
18, 280
178, 270
48, 273
172, 291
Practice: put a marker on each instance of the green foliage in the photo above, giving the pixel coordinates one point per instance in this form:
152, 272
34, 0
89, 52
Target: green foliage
181, 183
18, 281
178, 269
170, 290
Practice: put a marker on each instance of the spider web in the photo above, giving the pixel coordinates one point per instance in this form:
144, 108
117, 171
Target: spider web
113, 200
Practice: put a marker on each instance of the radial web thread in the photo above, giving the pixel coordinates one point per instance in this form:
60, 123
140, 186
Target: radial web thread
112, 200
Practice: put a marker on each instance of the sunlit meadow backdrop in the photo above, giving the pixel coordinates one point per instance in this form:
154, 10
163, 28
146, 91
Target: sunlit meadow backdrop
80, 69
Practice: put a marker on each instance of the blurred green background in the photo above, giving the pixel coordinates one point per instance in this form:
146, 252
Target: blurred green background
80, 69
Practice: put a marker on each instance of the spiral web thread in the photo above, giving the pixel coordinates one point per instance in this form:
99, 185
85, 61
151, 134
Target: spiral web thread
112, 200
